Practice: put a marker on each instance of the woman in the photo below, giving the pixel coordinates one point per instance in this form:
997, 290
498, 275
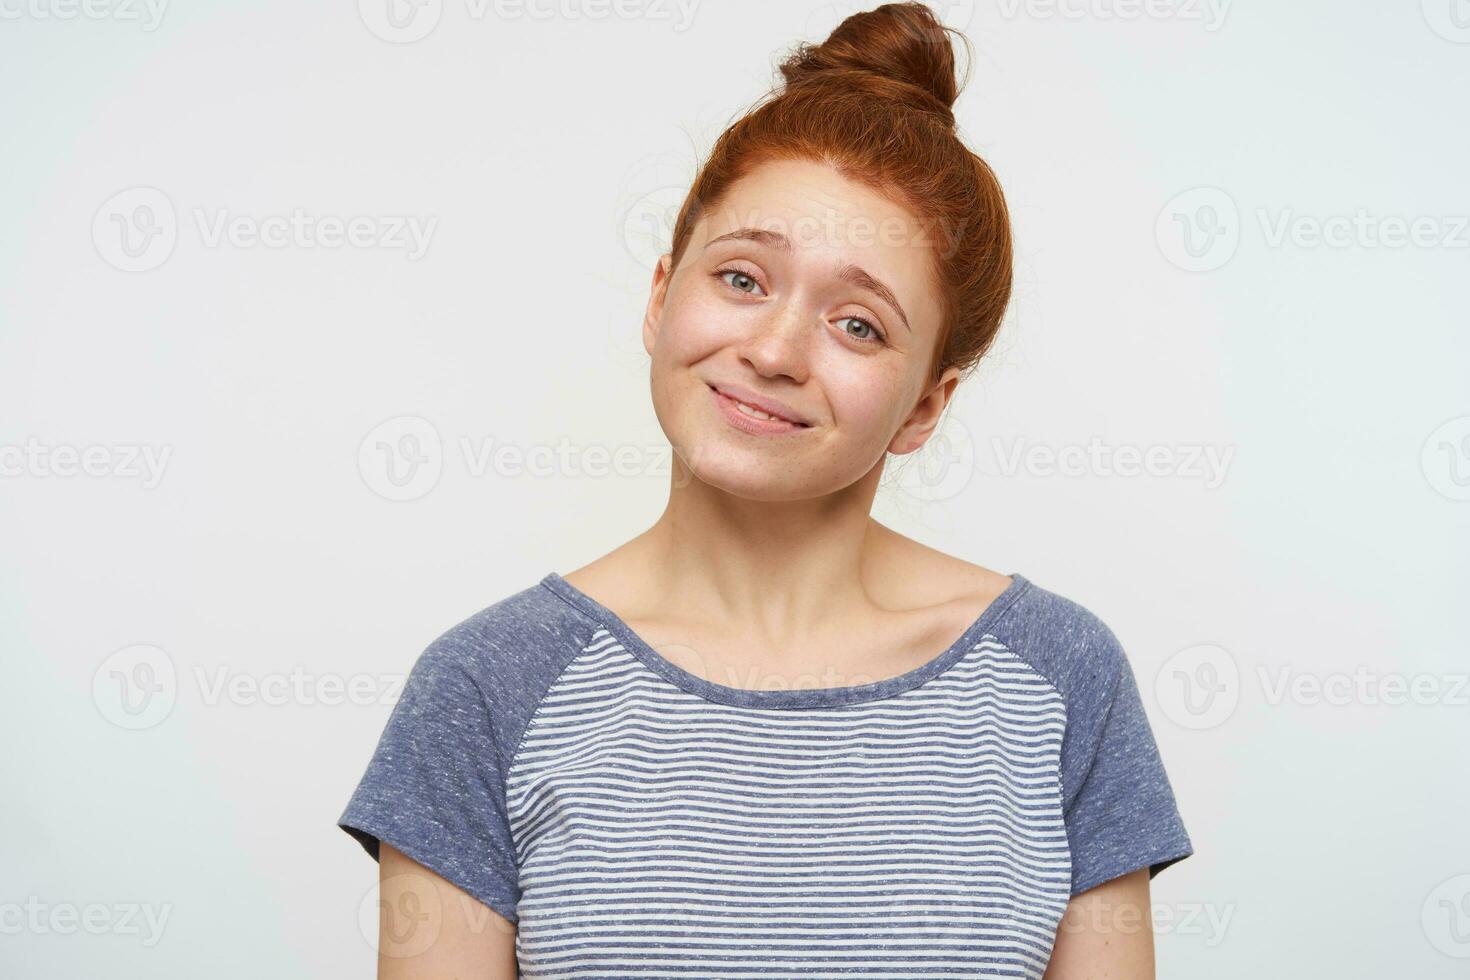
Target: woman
768, 736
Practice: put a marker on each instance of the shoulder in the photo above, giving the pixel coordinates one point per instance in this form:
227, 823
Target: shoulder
507, 652
1063, 640
912, 575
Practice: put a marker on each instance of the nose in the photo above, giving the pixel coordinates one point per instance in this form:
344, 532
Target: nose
778, 344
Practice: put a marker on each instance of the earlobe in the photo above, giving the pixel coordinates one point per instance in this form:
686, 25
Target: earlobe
915, 430
920, 424
913, 435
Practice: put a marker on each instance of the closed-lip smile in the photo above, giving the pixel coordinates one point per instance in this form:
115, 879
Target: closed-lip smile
761, 403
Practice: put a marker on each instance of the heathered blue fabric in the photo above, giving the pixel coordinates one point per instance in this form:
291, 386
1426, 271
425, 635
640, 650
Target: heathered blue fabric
635, 819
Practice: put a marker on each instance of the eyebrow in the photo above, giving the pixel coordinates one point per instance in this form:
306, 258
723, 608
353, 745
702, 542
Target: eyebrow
851, 273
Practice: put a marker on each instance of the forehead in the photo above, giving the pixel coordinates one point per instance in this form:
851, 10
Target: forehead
831, 220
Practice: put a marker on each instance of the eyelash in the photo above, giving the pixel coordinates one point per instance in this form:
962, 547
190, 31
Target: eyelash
877, 337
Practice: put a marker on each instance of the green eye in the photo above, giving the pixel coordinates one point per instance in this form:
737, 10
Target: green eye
742, 279
873, 336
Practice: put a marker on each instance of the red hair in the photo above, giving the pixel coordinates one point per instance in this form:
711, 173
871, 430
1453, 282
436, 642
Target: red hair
873, 102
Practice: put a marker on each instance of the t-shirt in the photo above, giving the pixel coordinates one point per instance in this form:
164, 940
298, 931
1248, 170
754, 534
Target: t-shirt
635, 819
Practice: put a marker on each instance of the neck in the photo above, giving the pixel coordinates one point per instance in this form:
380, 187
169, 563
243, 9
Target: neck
789, 564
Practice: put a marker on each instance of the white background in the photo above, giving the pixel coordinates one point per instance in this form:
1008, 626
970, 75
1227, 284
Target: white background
1328, 554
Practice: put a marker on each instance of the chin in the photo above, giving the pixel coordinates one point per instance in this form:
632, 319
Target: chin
751, 484
756, 472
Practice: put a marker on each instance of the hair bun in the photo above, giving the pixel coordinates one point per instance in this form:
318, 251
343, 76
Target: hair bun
899, 51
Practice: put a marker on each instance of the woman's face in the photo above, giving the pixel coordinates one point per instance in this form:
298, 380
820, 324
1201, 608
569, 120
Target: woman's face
813, 293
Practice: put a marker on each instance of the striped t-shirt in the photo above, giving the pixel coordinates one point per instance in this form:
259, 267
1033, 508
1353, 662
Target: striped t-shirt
636, 820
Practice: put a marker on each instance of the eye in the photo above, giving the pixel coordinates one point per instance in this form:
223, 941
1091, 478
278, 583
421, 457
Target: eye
872, 336
742, 279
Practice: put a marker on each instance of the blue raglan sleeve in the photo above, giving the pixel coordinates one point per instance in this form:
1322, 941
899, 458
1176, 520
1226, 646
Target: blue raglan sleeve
434, 787
1119, 806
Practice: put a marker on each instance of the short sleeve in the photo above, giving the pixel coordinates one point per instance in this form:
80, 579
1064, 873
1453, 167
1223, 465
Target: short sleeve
1119, 807
434, 789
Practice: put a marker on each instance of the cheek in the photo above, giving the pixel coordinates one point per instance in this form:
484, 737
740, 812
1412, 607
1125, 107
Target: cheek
866, 395
693, 326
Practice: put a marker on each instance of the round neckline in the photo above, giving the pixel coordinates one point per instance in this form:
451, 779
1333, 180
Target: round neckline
786, 697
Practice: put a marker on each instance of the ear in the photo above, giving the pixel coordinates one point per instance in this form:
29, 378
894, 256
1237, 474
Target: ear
921, 421
662, 273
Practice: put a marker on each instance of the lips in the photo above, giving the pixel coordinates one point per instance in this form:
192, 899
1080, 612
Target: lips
761, 403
